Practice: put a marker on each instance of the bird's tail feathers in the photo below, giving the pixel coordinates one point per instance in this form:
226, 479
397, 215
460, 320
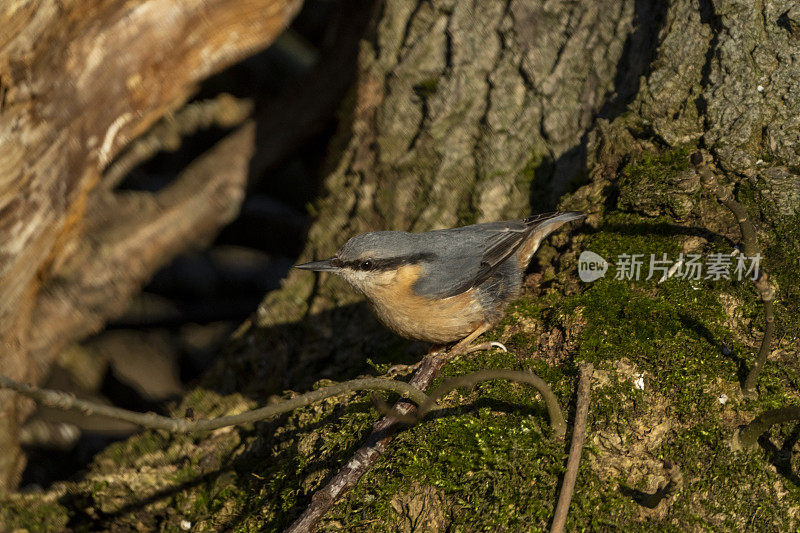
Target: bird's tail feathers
555, 221
544, 227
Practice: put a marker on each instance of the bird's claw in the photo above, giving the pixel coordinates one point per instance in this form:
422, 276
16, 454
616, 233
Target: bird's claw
486, 346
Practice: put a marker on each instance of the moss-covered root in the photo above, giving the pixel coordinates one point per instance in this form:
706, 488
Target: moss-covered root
751, 249
470, 380
746, 437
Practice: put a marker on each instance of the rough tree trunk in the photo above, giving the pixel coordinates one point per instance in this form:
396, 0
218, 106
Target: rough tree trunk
78, 82
462, 112
476, 111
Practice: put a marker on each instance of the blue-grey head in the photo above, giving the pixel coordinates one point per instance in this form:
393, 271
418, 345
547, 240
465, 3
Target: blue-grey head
374, 258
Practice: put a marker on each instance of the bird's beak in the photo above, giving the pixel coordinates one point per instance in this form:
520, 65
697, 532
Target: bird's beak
318, 266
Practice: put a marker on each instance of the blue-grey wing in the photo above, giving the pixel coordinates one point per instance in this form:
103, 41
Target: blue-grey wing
469, 256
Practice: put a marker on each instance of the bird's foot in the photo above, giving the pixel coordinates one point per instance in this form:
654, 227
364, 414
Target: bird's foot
484, 346
404, 370
464, 349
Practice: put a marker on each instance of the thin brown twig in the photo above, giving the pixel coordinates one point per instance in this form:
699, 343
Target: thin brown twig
361, 461
578, 436
471, 380
62, 400
750, 249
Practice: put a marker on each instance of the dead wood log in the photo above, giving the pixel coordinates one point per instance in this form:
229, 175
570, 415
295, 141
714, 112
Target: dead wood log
78, 82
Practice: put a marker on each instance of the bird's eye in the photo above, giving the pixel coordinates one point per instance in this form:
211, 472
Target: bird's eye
366, 265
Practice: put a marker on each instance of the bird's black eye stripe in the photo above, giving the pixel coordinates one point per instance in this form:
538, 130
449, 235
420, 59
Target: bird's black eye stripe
389, 263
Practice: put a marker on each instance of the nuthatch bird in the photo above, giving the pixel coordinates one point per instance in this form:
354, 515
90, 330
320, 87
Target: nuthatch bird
445, 285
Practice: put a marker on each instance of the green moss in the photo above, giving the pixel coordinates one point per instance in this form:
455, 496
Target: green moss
478, 462
466, 212
126, 453
537, 176
658, 182
725, 490
531, 169
32, 514
527, 307
667, 162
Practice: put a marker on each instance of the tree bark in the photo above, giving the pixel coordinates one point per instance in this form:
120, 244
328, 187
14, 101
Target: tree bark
462, 112
78, 82
476, 111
